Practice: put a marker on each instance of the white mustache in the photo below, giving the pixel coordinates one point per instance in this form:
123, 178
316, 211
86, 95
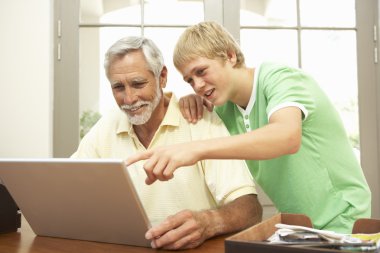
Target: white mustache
134, 106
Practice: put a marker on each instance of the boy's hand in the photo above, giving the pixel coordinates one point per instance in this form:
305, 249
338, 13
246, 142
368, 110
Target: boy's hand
192, 106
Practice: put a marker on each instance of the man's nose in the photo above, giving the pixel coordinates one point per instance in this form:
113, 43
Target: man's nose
130, 97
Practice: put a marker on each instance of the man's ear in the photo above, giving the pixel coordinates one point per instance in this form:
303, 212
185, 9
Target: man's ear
163, 77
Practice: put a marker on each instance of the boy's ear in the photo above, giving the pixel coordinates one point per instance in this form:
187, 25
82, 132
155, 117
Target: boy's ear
232, 58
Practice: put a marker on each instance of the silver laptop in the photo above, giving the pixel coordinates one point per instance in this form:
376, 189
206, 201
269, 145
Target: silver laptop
84, 199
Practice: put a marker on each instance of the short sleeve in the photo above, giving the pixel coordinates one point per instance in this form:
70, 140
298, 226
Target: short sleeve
285, 86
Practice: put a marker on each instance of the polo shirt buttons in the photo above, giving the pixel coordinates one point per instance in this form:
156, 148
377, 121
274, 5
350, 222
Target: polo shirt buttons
246, 122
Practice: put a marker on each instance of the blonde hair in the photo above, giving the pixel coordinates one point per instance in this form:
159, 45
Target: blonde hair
206, 39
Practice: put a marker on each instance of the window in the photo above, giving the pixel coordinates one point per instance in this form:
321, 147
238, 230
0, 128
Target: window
104, 22
308, 34
334, 40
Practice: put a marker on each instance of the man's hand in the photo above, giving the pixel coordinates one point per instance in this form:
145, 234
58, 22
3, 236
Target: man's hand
161, 162
191, 107
189, 229
184, 230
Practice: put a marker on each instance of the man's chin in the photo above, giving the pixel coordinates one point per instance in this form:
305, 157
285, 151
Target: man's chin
138, 120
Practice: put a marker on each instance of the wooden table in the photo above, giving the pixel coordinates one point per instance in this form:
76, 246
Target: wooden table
25, 241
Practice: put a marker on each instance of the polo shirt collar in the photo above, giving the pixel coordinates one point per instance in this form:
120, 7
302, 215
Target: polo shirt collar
173, 114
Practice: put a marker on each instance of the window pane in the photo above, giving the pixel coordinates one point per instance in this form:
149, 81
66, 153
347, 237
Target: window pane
328, 13
111, 11
165, 39
272, 45
268, 13
173, 12
331, 58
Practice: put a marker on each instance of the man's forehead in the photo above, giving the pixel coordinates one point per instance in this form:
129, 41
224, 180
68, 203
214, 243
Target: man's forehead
129, 63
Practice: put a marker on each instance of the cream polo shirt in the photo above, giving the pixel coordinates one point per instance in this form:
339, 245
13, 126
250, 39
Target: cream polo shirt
207, 184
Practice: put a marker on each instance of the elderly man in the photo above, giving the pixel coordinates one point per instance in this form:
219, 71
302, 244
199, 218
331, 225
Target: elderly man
210, 198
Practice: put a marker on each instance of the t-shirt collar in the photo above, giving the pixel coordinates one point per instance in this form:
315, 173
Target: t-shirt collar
252, 99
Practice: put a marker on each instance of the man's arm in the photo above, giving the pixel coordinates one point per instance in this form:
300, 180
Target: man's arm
189, 229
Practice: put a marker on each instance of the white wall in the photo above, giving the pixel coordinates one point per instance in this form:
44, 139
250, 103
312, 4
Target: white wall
26, 67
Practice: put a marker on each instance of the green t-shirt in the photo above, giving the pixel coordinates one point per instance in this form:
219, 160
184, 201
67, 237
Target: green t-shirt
323, 179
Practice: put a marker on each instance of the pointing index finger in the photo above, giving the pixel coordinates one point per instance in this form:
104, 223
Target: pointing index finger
138, 157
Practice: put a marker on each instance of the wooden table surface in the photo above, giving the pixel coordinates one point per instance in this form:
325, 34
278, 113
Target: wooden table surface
25, 241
